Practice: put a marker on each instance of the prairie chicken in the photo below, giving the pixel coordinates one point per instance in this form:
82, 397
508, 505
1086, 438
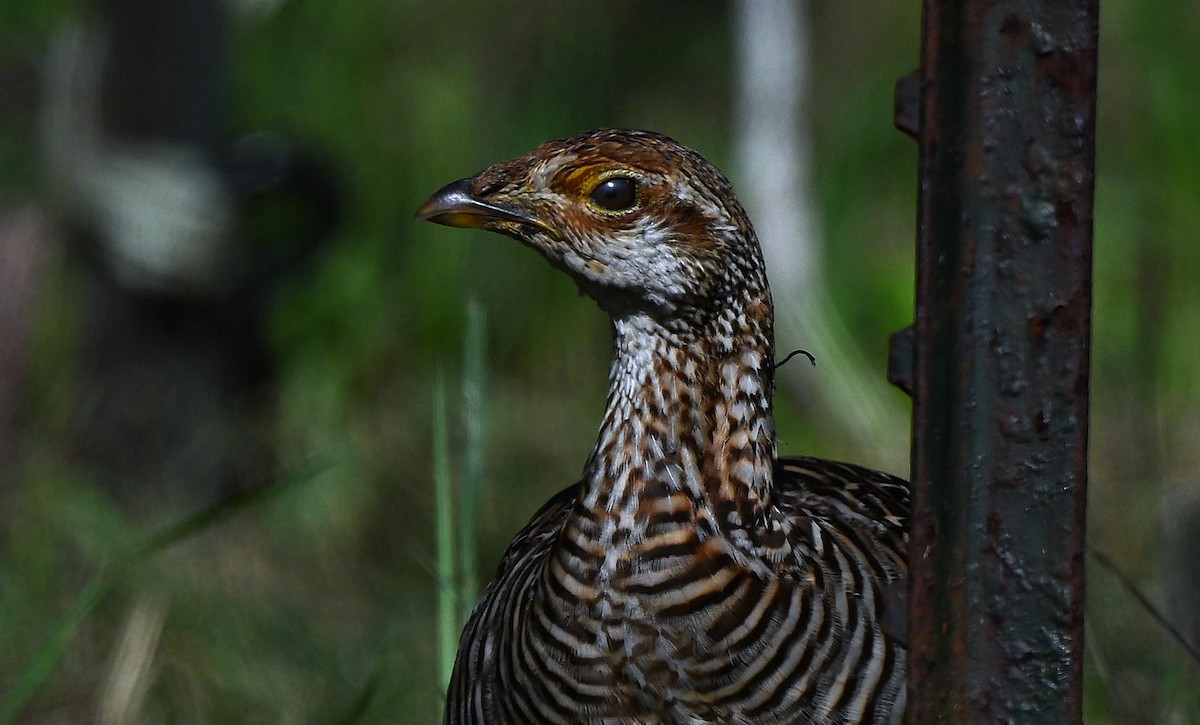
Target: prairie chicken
692, 575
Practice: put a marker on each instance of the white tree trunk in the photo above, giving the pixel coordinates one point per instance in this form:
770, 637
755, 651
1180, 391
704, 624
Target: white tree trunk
775, 181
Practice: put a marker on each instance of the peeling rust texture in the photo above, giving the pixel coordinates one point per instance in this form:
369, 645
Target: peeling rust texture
1007, 145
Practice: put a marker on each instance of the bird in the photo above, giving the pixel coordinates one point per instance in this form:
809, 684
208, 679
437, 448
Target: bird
692, 574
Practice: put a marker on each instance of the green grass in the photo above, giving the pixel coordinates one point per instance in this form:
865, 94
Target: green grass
447, 557
121, 566
456, 505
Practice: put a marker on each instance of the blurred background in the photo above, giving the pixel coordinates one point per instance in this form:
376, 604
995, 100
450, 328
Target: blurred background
221, 334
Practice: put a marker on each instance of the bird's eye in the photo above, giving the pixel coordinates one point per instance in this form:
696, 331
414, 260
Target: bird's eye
615, 194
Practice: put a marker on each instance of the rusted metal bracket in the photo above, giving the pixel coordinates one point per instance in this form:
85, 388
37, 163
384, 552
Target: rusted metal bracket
1003, 109
900, 359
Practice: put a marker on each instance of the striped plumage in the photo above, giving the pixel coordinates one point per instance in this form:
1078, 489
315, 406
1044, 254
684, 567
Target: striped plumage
691, 575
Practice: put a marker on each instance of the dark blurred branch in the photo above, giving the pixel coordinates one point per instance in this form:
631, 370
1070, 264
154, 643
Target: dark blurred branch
1147, 605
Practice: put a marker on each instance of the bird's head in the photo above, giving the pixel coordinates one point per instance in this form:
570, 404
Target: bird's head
642, 223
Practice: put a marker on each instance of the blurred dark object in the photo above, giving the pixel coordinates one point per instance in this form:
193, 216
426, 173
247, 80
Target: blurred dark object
164, 71
22, 244
1181, 569
181, 242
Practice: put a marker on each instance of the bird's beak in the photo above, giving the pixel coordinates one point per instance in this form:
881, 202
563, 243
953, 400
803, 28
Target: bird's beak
455, 206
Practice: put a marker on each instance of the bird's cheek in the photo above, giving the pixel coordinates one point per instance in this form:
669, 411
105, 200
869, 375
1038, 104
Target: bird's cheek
596, 268
580, 264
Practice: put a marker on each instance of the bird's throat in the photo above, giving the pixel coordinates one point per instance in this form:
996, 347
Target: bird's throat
688, 431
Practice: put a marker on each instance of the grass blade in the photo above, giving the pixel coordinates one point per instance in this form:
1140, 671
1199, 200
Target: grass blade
52, 650
443, 502
223, 510
475, 422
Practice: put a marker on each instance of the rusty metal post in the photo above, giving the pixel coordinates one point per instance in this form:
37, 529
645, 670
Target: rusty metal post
1006, 98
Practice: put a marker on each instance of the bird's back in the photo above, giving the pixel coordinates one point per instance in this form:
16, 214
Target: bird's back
819, 640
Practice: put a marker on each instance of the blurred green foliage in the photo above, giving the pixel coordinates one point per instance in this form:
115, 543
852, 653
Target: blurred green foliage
319, 605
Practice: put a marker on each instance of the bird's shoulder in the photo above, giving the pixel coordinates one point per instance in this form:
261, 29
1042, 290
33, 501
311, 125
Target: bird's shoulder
847, 498
875, 494
538, 536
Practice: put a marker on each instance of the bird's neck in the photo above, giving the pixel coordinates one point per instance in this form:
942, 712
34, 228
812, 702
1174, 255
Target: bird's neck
688, 425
